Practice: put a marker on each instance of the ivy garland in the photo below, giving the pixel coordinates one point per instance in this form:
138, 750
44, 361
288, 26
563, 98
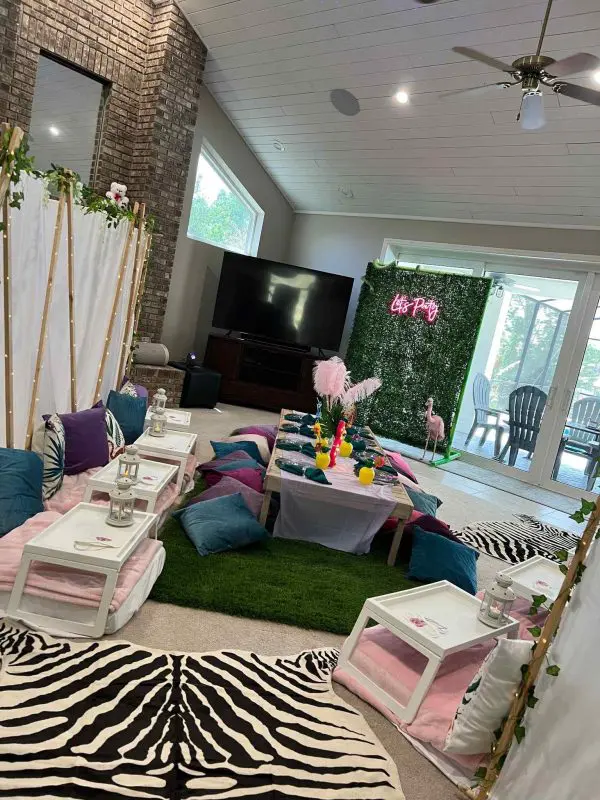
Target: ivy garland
57, 179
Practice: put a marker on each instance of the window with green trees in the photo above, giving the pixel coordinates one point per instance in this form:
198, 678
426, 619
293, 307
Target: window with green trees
223, 213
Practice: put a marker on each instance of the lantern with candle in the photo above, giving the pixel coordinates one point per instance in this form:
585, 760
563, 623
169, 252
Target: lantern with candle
158, 422
129, 464
122, 501
159, 400
497, 602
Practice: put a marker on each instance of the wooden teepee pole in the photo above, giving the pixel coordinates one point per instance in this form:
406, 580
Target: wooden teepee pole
5, 168
71, 284
8, 350
138, 299
115, 305
137, 267
538, 656
44, 325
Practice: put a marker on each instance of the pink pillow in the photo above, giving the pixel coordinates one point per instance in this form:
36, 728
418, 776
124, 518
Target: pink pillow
250, 477
402, 465
268, 431
228, 485
237, 455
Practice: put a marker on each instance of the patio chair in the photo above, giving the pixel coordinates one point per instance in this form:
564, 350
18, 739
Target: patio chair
525, 408
481, 402
584, 443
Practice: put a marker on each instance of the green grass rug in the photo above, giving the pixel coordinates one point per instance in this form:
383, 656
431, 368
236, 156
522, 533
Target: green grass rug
297, 583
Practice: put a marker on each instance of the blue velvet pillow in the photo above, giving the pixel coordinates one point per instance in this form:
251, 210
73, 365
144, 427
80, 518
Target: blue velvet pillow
239, 463
21, 477
423, 502
224, 523
224, 448
129, 412
435, 558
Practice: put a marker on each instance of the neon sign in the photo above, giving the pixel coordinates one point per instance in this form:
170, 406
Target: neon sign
403, 306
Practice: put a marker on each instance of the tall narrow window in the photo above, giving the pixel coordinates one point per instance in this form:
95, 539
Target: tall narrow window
223, 213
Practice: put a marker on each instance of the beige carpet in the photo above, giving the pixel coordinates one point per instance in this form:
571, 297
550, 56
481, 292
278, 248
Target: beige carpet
175, 628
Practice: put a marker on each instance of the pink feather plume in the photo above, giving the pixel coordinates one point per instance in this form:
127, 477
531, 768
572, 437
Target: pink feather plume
361, 391
331, 378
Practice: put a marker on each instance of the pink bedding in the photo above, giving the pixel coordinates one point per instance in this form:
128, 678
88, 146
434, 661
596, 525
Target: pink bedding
396, 667
57, 583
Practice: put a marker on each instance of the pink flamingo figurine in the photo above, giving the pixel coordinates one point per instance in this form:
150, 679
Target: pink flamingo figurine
435, 428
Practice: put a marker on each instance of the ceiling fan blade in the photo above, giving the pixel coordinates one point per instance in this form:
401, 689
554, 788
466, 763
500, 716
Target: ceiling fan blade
476, 90
580, 62
578, 93
485, 59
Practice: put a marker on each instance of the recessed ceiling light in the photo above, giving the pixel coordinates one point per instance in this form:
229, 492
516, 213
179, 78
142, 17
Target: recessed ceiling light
53, 130
596, 76
401, 96
346, 191
278, 145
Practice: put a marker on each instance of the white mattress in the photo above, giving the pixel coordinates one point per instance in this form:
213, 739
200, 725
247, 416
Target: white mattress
116, 619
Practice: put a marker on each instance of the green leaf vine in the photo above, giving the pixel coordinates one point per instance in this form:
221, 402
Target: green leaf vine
16, 162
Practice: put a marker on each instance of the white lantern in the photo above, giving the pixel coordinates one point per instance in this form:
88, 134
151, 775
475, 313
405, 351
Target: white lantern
497, 602
129, 464
159, 400
158, 422
122, 501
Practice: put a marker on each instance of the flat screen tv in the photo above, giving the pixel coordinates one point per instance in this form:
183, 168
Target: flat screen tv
296, 306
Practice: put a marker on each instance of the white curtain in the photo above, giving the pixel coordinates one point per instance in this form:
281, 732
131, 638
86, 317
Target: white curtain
98, 251
558, 759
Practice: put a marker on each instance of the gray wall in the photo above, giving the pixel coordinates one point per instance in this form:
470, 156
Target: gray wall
197, 266
345, 245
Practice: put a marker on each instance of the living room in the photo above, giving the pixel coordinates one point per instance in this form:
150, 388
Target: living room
385, 300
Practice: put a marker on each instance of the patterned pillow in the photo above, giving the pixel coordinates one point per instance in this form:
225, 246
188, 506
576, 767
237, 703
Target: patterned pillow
129, 388
116, 440
54, 456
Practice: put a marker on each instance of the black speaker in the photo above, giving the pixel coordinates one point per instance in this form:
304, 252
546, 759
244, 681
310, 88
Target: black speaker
200, 388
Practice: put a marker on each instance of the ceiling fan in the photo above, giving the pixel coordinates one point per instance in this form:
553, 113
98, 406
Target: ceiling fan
533, 72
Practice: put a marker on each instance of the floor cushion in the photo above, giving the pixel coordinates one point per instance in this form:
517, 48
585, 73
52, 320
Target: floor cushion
240, 463
268, 431
422, 501
401, 465
250, 477
224, 448
115, 436
21, 478
488, 697
225, 523
260, 441
86, 441
53, 456
228, 485
236, 455
130, 413
435, 558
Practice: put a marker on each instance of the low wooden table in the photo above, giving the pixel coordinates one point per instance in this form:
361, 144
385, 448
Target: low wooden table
177, 419
272, 483
153, 478
173, 447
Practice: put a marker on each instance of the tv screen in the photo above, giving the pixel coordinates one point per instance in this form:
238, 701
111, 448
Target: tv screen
280, 302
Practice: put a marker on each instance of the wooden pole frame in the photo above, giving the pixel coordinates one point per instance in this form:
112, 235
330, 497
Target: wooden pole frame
538, 655
115, 305
43, 335
5, 169
8, 353
135, 276
71, 289
138, 299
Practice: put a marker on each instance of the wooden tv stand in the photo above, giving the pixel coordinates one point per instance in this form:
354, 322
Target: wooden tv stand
262, 375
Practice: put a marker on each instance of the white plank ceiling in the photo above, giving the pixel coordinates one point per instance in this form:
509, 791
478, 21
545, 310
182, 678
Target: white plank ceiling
273, 63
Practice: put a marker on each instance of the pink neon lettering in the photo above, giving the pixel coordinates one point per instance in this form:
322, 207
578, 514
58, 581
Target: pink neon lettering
402, 305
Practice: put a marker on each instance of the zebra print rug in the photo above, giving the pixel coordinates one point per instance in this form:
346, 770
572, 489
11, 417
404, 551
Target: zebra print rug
516, 542
111, 720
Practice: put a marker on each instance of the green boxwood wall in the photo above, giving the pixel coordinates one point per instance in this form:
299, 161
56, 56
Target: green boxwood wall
415, 360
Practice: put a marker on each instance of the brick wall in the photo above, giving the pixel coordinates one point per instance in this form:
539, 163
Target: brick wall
153, 378
154, 63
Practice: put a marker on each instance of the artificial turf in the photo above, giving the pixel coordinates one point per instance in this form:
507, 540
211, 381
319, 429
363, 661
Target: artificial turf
298, 583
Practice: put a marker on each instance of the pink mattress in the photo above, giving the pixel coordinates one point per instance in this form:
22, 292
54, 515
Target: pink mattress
73, 586
396, 668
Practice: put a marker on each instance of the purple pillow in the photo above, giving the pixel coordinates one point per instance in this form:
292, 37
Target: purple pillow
268, 431
228, 485
236, 455
250, 477
401, 465
86, 442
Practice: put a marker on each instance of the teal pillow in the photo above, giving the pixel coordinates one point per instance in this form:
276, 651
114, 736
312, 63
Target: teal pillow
130, 413
240, 463
224, 448
435, 558
423, 502
224, 523
21, 477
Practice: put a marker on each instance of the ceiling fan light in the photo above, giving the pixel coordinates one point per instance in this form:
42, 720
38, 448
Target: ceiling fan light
532, 111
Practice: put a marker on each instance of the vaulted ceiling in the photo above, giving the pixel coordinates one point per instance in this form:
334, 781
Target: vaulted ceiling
273, 63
